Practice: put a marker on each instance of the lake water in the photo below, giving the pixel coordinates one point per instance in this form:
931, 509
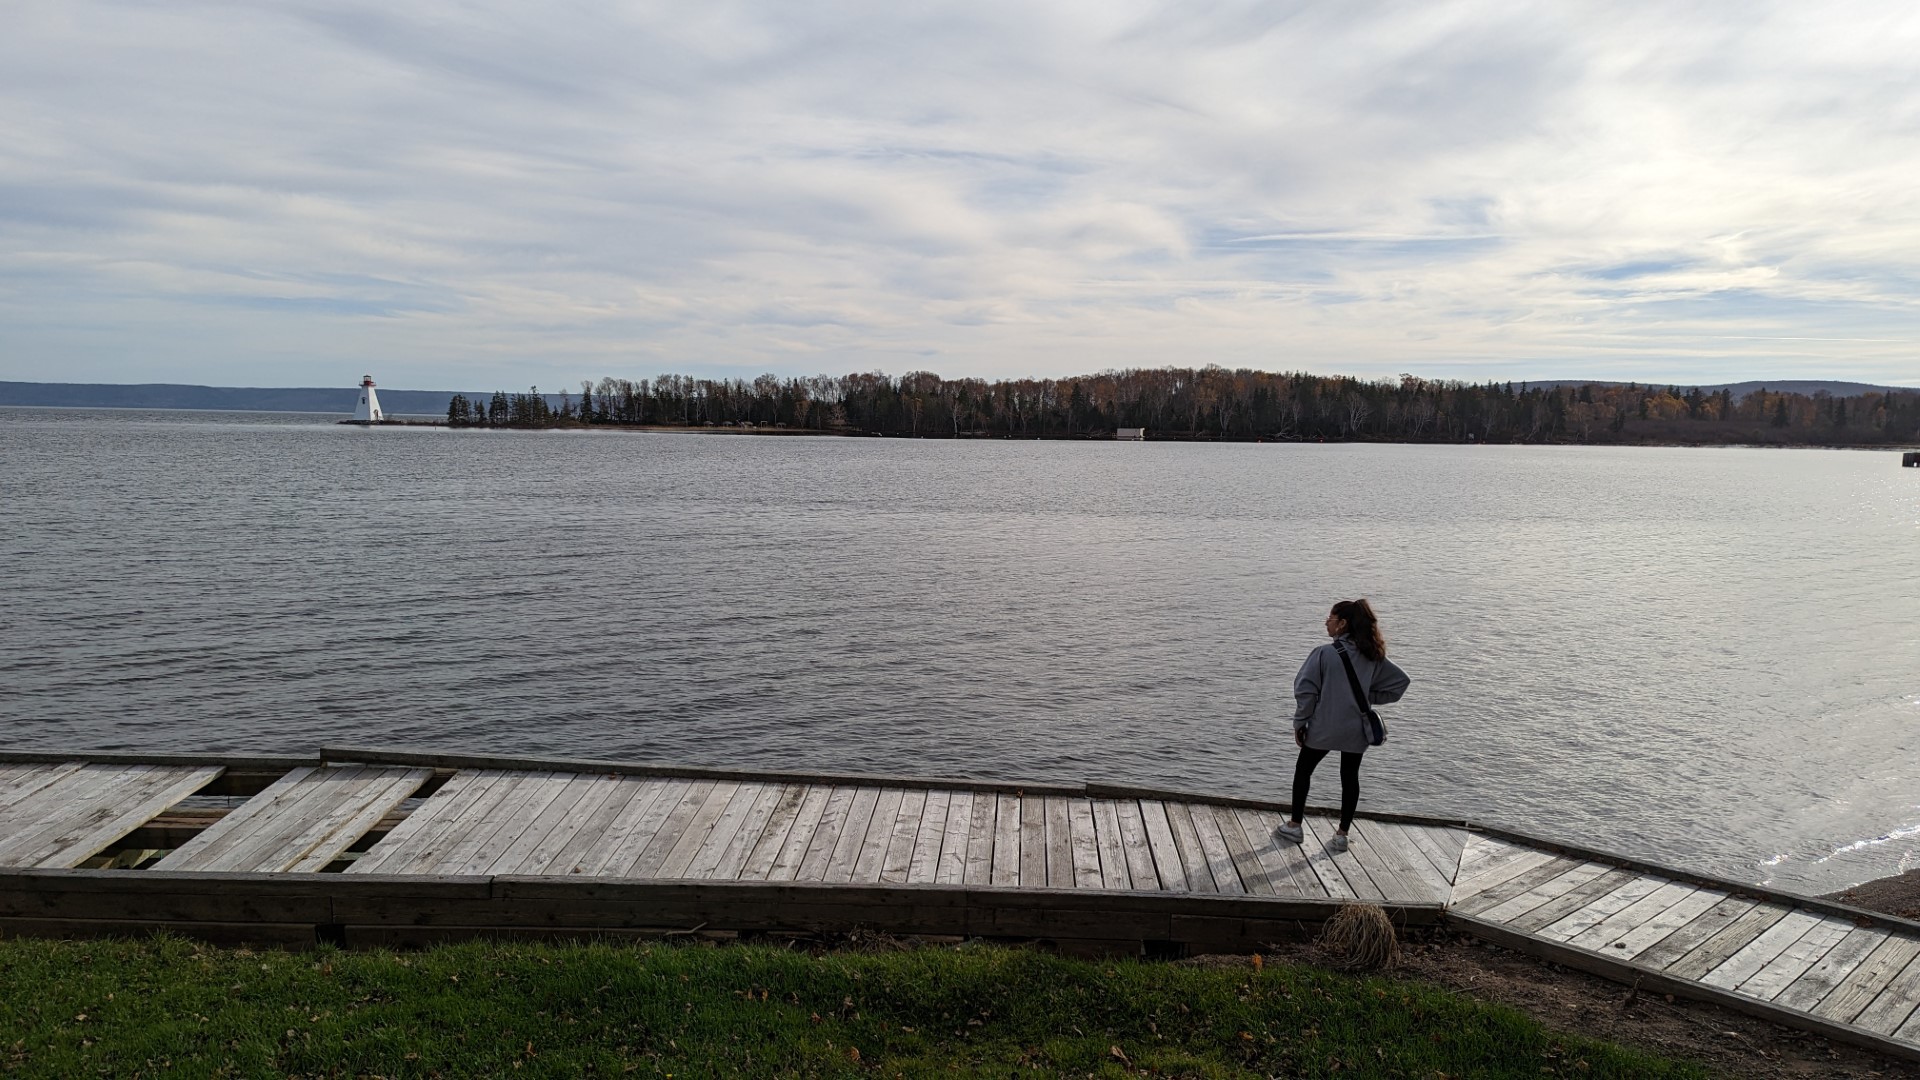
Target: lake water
1705, 657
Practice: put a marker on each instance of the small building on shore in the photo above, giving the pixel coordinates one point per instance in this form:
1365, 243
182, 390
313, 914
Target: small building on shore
368, 410
1911, 458
1130, 434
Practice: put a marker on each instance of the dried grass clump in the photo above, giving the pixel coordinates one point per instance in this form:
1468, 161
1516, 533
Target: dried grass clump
1359, 937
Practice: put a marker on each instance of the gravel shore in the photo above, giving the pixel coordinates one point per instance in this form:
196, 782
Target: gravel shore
1897, 895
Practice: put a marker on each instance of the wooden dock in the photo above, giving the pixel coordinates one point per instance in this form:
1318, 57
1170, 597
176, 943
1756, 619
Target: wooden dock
366, 847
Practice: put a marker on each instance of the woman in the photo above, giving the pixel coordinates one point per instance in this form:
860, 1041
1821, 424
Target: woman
1326, 717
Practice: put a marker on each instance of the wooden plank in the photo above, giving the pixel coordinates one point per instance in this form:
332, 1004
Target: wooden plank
1242, 847
1114, 872
863, 842
306, 828
1135, 849
1395, 843
588, 817
1819, 980
1505, 861
622, 803
301, 820
981, 832
1755, 955
1167, 865
1008, 825
473, 832
929, 841
1853, 994
443, 825
311, 839
1395, 884
1613, 927
1331, 878
1193, 861
1714, 951
38, 822
1655, 930
1083, 837
897, 856
699, 830
1058, 830
1893, 1005
1444, 860
460, 837
674, 826
799, 840
1320, 831
1548, 912
135, 804
627, 837
723, 859
1543, 893
1033, 841
1284, 863
1798, 958
420, 826
1484, 853
747, 795
956, 839
1490, 898
517, 818
373, 805
208, 848
114, 801
833, 818
1689, 935
1214, 847
1597, 910
28, 786
1909, 1032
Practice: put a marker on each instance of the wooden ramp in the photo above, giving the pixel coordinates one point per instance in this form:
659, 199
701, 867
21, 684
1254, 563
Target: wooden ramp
1801, 962
440, 847
527, 823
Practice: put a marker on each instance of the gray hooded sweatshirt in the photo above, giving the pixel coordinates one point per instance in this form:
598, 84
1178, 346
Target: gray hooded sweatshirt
1324, 708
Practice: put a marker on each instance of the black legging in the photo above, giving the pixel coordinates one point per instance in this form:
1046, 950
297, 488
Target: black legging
1349, 783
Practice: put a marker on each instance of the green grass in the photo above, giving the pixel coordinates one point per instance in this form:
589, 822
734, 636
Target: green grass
168, 1007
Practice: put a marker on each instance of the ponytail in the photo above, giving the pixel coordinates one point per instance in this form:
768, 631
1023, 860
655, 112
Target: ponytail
1363, 628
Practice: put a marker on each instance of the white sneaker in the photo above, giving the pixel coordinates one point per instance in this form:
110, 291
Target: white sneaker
1337, 843
1289, 832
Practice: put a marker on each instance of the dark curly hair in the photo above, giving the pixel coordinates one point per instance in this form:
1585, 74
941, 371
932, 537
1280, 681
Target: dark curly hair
1362, 627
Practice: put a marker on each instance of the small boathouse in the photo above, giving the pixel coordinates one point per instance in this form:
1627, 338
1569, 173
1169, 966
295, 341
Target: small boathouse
395, 848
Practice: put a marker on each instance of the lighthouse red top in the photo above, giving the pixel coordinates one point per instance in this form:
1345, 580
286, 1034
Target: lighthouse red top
366, 380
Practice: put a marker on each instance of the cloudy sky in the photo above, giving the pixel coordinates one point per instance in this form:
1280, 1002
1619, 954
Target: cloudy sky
481, 194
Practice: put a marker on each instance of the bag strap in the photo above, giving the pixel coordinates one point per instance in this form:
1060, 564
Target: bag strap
1353, 679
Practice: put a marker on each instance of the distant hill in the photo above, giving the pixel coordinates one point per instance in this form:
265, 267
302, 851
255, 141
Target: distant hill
338, 399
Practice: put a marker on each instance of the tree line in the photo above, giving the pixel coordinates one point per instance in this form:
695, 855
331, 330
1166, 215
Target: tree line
1212, 403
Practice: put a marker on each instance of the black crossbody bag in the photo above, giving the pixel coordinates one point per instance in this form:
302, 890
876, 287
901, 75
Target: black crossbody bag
1376, 728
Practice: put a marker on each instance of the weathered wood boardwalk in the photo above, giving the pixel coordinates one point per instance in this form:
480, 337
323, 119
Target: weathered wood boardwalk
368, 847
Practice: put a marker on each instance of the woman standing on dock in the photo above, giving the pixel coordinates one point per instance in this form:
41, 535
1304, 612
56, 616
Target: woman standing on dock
1328, 715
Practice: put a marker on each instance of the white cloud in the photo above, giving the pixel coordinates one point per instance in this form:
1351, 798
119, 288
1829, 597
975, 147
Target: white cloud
470, 194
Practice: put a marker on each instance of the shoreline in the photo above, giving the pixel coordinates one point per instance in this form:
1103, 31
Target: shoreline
729, 429
1897, 895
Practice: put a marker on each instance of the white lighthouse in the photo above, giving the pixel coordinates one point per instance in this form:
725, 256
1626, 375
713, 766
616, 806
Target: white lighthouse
368, 411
